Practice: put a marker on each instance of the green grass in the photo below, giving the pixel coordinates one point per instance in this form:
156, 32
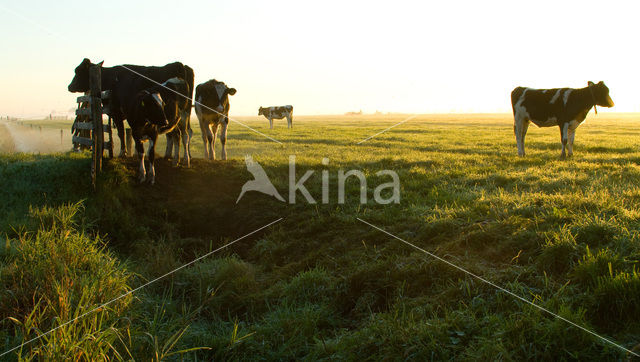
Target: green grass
322, 285
39, 180
52, 273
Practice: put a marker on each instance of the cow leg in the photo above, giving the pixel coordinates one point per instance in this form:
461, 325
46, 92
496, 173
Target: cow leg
212, 131
119, 122
520, 129
190, 135
523, 133
572, 135
168, 152
564, 137
184, 133
205, 140
176, 146
140, 151
214, 134
516, 132
151, 152
270, 122
289, 122
223, 138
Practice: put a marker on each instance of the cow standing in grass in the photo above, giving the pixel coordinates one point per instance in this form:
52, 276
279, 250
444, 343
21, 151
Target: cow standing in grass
152, 112
563, 107
278, 112
212, 108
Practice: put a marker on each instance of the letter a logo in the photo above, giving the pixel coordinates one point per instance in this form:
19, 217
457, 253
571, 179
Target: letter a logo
261, 181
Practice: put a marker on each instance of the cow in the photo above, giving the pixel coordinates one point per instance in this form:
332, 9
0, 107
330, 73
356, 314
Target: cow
212, 109
278, 112
152, 112
566, 108
120, 78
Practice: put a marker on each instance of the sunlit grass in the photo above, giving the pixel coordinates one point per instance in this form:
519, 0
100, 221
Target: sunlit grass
320, 284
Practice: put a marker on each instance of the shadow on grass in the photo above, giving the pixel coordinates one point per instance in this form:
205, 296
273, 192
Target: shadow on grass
314, 141
615, 150
30, 180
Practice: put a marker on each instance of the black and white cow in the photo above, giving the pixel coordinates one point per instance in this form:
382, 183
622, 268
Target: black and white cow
152, 112
212, 109
120, 78
563, 107
278, 112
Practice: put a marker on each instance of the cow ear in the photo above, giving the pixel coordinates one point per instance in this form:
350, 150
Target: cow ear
100, 64
86, 61
142, 102
232, 91
600, 83
590, 83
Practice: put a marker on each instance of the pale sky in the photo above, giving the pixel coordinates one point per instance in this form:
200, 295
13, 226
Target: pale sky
328, 57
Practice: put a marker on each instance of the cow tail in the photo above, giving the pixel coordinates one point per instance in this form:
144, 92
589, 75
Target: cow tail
515, 96
189, 77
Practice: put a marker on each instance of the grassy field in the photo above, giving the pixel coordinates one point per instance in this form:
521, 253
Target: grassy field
320, 284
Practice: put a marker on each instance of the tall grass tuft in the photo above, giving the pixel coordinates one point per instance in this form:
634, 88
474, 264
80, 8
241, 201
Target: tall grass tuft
311, 286
592, 267
560, 251
219, 286
596, 231
52, 273
616, 299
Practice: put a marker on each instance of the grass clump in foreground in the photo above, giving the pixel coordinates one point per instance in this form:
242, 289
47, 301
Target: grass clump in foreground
53, 272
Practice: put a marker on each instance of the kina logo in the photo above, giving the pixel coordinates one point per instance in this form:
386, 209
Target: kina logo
261, 181
384, 193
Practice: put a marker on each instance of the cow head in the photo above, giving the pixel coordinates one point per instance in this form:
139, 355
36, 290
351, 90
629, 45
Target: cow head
80, 82
150, 107
260, 111
173, 90
214, 95
600, 94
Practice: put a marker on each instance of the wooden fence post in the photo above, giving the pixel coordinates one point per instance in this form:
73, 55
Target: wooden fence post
95, 84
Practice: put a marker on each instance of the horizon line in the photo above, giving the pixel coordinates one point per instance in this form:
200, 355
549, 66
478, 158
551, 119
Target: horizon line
345, 114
